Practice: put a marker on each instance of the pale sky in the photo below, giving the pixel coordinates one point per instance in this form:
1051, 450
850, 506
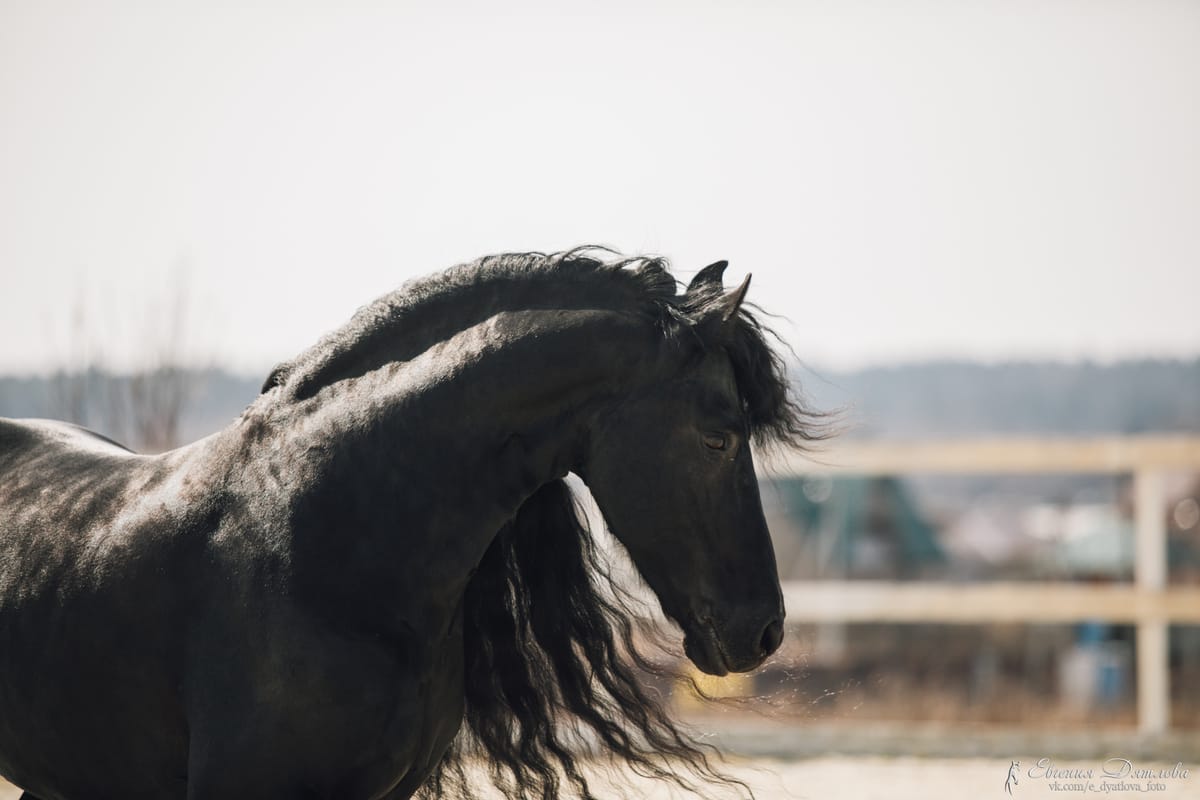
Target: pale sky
906, 180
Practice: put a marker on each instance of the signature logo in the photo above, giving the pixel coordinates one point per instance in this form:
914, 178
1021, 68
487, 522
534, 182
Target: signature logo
1013, 769
1113, 775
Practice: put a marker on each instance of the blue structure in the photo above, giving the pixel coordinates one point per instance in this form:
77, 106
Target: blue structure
849, 527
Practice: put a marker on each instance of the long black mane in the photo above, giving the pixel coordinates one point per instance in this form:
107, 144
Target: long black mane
552, 666
405, 322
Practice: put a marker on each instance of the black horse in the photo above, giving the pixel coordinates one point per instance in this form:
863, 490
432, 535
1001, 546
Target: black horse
311, 602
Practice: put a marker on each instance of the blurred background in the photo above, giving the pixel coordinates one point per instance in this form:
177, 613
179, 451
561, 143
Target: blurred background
979, 224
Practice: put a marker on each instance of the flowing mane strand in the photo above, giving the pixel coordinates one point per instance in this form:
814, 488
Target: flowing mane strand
551, 669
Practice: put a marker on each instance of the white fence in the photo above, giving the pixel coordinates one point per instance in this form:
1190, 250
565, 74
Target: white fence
1148, 603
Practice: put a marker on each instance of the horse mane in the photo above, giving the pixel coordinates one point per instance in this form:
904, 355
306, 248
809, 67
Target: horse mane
551, 664
406, 322
552, 669
409, 320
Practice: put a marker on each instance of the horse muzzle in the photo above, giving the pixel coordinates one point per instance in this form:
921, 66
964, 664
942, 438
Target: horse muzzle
719, 650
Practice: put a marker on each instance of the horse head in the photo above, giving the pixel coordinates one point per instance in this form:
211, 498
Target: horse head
671, 468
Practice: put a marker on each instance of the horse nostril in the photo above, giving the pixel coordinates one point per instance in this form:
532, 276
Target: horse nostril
772, 636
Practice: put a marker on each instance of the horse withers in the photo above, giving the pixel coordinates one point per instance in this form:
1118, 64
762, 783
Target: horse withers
377, 573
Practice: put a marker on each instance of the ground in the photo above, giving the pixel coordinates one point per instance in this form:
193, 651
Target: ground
879, 778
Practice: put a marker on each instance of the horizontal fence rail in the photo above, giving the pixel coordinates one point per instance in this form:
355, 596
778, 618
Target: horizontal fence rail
883, 601
1148, 603
1111, 454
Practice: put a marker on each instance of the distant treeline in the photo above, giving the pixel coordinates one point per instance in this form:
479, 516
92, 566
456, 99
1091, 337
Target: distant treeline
933, 399
191, 402
965, 399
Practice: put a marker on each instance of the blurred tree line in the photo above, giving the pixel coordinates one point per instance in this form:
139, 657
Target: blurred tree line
144, 406
947, 399
165, 404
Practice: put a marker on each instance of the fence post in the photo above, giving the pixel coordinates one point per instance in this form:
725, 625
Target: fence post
1150, 576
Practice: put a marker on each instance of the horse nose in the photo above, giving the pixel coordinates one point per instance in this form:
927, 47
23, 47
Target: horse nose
772, 636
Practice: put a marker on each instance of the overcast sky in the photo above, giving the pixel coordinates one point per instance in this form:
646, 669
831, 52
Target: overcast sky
906, 180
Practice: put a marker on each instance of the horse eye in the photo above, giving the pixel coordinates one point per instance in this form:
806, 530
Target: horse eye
715, 441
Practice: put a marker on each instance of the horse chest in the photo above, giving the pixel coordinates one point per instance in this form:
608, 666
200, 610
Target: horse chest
396, 753
435, 722
326, 713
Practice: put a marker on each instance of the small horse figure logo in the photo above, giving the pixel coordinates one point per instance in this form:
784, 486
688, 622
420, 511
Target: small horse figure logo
1011, 780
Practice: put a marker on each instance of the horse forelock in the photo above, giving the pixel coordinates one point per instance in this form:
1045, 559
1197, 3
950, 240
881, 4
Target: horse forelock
776, 411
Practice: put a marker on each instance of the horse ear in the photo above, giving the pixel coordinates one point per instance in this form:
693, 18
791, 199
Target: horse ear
709, 276
731, 302
720, 317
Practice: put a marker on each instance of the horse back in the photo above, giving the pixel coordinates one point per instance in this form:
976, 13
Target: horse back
94, 570
59, 486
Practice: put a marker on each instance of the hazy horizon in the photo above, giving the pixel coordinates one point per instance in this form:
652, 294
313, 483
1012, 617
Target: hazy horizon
908, 181
802, 370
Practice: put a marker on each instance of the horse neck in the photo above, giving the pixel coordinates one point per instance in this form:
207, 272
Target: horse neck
532, 375
428, 459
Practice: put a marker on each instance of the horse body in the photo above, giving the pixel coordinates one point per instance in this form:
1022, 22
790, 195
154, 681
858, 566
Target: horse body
278, 610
